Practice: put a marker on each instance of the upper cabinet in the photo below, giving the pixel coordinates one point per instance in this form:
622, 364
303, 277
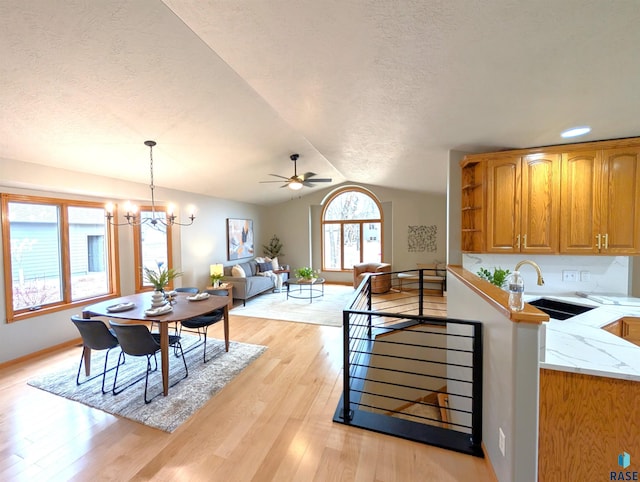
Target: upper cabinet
473, 215
523, 204
574, 199
601, 201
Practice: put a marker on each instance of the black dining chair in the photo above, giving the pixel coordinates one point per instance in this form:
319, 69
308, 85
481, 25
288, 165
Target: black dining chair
187, 289
200, 324
95, 336
137, 340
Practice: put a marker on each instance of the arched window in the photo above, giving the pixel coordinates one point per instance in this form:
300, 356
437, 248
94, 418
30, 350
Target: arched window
351, 230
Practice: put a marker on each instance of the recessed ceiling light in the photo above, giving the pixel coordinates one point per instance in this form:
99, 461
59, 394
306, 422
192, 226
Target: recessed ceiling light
576, 131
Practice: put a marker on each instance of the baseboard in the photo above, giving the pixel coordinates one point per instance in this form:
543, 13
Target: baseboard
488, 459
46, 351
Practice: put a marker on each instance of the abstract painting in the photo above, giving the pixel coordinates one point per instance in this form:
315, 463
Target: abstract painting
239, 238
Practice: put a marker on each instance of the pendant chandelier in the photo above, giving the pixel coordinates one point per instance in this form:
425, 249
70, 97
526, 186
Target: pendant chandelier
132, 216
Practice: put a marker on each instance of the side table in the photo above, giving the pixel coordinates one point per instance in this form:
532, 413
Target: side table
224, 286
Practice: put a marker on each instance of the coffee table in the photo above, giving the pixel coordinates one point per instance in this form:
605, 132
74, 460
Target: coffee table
315, 289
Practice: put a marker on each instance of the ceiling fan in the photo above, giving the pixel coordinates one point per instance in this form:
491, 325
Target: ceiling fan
296, 181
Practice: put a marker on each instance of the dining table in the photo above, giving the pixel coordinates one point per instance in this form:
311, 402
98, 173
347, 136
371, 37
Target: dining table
137, 307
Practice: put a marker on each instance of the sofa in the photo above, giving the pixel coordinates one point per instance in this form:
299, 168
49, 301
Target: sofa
379, 284
252, 277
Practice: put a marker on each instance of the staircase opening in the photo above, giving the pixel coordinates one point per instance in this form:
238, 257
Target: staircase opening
410, 375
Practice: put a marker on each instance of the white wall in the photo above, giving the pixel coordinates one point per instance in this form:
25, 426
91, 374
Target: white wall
608, 274
510, 383
295, 222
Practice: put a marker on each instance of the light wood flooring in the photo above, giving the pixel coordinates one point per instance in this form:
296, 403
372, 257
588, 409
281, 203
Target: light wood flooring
271, 423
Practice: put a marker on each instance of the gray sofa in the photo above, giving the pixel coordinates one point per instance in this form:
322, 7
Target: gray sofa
251, 285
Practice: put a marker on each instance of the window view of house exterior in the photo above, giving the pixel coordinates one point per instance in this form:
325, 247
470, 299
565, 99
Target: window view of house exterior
59, 253
351, 230
153, 245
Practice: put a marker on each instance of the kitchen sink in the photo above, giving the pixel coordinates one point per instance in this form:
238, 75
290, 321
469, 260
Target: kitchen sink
559, 310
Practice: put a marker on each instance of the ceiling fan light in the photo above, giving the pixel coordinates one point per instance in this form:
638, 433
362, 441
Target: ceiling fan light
295, 185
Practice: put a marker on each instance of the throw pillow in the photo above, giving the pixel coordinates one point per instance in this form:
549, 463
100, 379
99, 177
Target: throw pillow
276, 265
264, 267
238, 272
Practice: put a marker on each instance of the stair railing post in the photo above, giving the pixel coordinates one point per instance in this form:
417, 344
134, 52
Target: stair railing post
346, 398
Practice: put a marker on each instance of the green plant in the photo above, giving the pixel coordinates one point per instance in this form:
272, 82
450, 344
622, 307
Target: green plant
274, 248
215, 278
498, 277
161, 278
306, 273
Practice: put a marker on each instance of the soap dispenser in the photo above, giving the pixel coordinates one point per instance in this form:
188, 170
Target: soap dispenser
516, 291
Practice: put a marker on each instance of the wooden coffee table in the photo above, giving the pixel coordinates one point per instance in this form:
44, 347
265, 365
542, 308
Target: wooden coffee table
314, 289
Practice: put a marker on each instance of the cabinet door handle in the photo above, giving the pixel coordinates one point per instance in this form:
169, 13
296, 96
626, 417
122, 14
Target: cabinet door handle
606, 241
518, 241
598, 244
524, 238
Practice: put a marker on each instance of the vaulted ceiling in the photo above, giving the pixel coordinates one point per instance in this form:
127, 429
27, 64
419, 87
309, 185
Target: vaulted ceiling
366, 91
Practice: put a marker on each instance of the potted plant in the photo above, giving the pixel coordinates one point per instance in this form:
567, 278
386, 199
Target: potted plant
216, 278
498, 277
274, 248
161, 278
306, 274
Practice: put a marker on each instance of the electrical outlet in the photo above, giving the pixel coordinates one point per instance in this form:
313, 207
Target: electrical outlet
585, 275
569, 275
501, 441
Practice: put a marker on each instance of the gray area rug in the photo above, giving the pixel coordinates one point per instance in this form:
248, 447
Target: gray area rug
164, 413
325, 310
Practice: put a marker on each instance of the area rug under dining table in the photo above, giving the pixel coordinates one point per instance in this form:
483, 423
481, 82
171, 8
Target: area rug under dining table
164, 413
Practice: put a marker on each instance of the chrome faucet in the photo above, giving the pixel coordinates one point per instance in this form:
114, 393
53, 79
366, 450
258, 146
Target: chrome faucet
537, 268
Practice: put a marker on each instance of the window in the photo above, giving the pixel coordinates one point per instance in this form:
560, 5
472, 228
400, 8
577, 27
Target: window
152, 245
351, 230
57, 253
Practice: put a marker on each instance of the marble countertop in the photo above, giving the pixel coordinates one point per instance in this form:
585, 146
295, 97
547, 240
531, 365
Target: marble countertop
580, 345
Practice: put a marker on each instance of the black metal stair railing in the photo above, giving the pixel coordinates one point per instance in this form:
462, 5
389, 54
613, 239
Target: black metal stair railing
409, 371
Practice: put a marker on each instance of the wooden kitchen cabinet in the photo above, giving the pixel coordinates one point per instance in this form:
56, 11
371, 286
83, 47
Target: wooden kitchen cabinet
631, 329
473, 207
580, 198
600, 198
523, 204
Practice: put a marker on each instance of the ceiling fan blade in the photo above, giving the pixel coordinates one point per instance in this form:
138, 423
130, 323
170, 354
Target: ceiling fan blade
320, 179
307, 175
278, 175
308, 184
264, 182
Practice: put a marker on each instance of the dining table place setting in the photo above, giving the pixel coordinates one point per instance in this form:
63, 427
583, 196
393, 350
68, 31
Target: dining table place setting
121, 307
161, 310
199, 296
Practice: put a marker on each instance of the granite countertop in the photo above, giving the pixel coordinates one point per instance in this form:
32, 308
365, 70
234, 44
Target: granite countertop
580, 345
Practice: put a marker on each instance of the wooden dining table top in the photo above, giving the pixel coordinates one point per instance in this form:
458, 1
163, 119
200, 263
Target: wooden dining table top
182, 308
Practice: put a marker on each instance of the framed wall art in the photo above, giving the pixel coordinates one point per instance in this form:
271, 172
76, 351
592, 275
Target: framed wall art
239, 238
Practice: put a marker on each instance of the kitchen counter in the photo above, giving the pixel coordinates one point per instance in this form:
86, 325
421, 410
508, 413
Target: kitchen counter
580, 345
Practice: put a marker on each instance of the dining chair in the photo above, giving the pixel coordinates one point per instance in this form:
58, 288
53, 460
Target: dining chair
137, 340
95, 336
200, 324
187, 289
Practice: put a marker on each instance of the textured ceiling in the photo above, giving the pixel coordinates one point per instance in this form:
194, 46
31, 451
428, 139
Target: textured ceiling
371, 91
